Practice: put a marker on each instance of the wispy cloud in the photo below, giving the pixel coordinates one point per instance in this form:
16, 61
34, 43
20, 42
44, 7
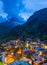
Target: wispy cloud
2, 13
35, 4
25, 15
30, 6
22, 8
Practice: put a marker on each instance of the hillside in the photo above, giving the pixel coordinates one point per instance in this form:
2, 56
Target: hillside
35, 27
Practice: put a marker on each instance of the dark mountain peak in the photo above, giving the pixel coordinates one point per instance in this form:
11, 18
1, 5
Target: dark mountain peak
35, 27
39, 15
14, 21
41, 10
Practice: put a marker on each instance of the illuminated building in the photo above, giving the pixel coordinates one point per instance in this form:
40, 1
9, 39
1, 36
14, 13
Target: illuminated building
45, 46
9, 58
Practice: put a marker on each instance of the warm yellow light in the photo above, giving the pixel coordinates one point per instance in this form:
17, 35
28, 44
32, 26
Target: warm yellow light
10, 58
40, 53
17, 41
27, 45
19, 51
30, 61
7, 47
45, 47
12, 53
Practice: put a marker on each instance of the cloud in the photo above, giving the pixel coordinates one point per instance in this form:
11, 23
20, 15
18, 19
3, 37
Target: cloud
1, 6
34, 5
2, 13
12, 7
30, 6
25, 15
22, 8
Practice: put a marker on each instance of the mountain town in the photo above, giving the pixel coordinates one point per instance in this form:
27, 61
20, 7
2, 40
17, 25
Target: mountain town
23, 32
34, 53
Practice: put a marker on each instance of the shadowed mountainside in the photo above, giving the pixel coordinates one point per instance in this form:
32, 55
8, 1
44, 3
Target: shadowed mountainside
35, 27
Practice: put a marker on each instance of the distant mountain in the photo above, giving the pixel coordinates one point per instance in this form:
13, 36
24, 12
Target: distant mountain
6, 26
12, 21
5, 29
35, 27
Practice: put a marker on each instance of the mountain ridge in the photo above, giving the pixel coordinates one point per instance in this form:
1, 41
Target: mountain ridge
35, 27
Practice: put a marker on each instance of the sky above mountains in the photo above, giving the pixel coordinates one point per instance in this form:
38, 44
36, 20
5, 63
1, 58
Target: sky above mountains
20, 8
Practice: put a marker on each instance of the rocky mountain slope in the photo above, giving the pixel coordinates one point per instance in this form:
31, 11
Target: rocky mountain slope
35, 27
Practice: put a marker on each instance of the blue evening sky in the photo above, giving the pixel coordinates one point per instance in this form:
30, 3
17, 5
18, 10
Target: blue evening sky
20, 8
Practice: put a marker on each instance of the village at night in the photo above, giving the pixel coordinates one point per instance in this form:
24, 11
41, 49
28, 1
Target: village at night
23, 32
23, 52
